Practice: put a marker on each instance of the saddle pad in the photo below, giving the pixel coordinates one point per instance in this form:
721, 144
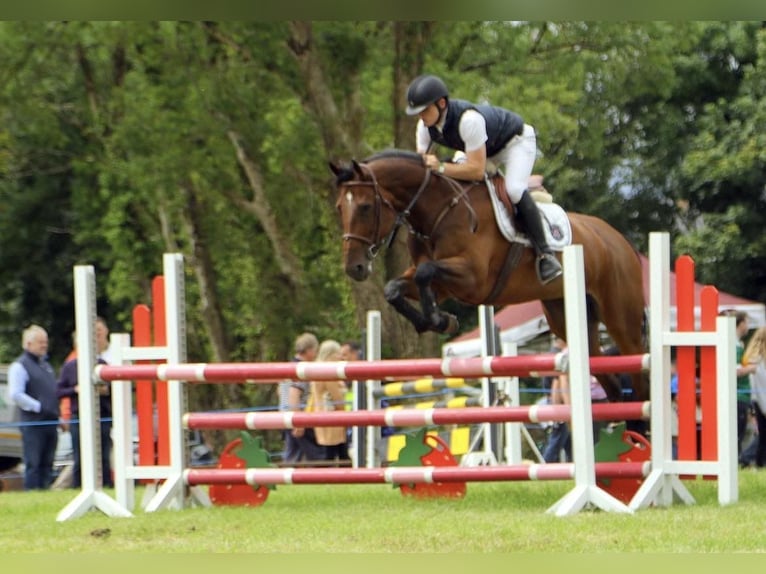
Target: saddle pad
558, 231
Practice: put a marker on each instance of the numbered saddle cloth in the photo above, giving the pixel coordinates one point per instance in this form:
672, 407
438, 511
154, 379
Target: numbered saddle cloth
558, 231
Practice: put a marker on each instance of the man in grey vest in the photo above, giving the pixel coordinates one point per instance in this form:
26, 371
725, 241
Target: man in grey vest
32, 386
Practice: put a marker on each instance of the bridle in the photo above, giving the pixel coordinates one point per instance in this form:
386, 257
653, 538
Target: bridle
377, 242
402, 217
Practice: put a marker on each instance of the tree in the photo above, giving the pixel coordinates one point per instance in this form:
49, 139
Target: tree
723, 175
124, 140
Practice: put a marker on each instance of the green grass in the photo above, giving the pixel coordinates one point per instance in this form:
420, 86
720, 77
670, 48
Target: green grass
492, 518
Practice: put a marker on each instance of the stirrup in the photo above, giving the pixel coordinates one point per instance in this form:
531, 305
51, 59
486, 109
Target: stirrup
557, 270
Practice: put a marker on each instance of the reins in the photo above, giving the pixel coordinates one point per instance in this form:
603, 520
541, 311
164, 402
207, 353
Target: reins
402, 217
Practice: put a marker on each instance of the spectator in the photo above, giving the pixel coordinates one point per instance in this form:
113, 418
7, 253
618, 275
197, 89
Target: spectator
32, 387
329, 396
747, 458
299, 443
65, 403
743, 372
626, 384
673, 408
558, 443
350, 351
755, 354
560, 396
67, 387
557, 345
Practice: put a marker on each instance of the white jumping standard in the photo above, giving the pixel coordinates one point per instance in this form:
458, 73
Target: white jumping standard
661, 487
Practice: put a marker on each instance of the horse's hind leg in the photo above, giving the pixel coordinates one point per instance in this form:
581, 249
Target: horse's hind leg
555, 313
626, 328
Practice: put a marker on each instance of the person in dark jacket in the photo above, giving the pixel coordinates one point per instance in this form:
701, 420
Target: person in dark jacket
482, 132
32, 387
67, 386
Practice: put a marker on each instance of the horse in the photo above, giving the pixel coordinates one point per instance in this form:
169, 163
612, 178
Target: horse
458, 252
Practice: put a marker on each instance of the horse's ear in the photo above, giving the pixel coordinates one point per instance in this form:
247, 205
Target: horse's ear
335, 168
357, 168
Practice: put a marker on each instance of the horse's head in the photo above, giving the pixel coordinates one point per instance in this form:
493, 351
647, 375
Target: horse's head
366, 215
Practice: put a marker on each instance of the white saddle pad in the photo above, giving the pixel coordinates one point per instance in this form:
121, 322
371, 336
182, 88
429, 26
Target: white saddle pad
558, 231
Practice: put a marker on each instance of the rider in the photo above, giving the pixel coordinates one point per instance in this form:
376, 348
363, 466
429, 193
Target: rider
482, 132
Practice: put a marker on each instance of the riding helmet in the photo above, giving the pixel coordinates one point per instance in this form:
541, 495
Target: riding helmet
424, 91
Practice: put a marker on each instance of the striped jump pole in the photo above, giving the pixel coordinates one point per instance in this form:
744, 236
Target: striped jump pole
659, 488
408, 475
409, 417
524, 365
419, 386
454, 403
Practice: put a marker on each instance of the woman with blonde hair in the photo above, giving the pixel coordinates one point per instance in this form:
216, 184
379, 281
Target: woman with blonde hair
330, 396
755, 354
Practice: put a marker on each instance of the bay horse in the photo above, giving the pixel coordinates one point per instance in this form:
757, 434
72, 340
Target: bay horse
458, 252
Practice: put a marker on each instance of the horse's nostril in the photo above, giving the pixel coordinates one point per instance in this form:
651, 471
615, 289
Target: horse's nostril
358, 271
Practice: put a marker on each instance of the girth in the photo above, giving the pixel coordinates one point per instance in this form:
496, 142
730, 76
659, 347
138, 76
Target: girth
512, 259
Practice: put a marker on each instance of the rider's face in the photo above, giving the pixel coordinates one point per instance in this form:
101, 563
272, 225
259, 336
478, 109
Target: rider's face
430, 115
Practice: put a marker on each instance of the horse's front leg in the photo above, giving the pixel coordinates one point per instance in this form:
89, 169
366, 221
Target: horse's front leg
440, 321
398, 292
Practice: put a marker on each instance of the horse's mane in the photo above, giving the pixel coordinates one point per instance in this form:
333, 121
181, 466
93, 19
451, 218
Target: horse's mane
347, 173
396, 154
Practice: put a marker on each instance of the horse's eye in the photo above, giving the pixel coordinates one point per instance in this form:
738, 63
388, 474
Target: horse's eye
364, 208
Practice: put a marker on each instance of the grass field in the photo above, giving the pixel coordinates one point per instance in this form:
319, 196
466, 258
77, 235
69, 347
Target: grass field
492, 518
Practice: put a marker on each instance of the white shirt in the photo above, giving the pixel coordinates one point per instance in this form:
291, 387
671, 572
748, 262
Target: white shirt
18, 377
472, 129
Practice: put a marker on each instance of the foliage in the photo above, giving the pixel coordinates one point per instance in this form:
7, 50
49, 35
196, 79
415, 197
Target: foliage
121, 141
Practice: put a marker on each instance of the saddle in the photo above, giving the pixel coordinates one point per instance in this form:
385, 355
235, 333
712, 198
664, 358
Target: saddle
536, 190
555, 221
498, 182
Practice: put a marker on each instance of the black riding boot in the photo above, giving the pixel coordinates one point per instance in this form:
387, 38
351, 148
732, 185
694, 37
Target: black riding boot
548, 267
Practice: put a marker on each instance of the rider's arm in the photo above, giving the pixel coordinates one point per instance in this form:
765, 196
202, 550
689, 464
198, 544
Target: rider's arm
472, 168
422, 138
473, 131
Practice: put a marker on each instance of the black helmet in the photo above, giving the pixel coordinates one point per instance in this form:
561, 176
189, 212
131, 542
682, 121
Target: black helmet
424, 91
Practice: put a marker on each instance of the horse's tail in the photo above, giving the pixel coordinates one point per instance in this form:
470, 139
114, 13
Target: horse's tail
645, 315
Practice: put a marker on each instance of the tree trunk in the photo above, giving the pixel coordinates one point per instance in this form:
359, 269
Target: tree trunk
203, 270
342, 138
410, 40
288, 263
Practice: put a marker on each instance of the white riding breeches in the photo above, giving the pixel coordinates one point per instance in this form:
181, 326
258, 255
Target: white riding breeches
518, 159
